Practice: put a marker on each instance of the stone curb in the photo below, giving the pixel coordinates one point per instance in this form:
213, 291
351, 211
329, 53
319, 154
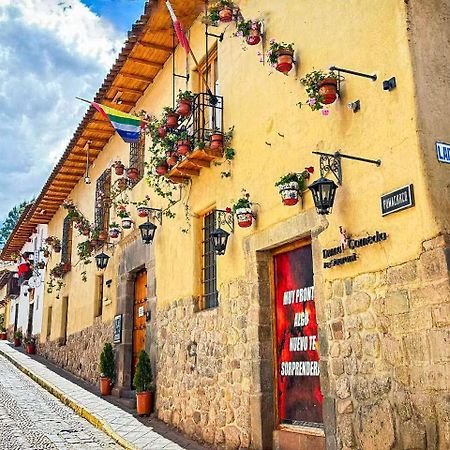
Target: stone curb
64, 398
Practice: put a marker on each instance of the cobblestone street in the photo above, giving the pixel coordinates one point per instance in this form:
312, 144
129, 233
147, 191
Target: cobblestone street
31, 418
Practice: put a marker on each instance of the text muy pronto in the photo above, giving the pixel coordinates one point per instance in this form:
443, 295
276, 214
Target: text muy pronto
300, 343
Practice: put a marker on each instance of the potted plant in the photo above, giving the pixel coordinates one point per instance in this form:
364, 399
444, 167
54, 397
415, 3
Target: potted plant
122, 212
95, 233
107, 369
162, 131
119, 168
184, 103
243, 210
3, 334
250, 30
55, 243
221, 11
41, 265
172, 158
292, 185
183, 145
132, 173
281, 56
102, 235
114, 230
161, 166
170, 118
321, 88
216, 140
30, 345
18, 338
143, 382
122, 184
142, 207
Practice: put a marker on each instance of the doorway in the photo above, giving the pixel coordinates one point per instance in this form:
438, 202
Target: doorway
139, 316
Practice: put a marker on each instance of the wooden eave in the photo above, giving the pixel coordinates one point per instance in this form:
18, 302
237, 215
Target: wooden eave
148, 47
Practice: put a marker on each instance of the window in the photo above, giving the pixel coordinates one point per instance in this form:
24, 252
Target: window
209, 263
66, 244
137, 154
49, 321
64, 317
99, 297
103, 200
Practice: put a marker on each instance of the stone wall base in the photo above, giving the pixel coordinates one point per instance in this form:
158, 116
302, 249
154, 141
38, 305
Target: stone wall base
81, 352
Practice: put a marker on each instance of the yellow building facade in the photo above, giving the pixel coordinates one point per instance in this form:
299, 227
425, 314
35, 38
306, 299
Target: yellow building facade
225, 374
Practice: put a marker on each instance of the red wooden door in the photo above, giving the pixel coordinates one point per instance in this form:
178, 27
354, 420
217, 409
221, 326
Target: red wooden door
140, 309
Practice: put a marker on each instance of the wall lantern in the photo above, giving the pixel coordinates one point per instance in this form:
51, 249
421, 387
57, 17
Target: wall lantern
102, 261
323, 189
219, 236
148, 228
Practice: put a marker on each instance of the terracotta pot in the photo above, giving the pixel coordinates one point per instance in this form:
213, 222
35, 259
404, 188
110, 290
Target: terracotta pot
105, 386
216, 141
244, 217
132, 173
143, 211
184, 107
41, 265
67, 267
162, 132
162, 169
226, 15
30, 349
285, 59
144, 403
254, 38
102, 236
127, 223
85, 232
183, 147
17, 342
114, 233
57, 249
172, 120
122, 184
3, 336
94, 243
172, 159
46, 254
119, 169
328, 90
290, 193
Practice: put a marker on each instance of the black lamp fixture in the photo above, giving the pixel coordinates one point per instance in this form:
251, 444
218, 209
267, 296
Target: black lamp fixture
102, 260
219, 236
148, 228
324, 190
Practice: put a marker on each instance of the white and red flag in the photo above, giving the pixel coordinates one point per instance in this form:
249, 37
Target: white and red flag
182, 39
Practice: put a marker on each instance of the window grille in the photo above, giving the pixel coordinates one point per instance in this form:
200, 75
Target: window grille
209, 266
137, 155
102, 196
66, 244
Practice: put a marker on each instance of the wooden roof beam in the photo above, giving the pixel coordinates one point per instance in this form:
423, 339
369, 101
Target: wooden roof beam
126, 90
136, 77
150, 45
155, 64
122, 102
98, 132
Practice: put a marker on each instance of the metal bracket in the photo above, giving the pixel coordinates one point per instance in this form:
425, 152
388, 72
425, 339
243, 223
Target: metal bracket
330, 163
185, 77
155, 214
218, 36
222, 217
352, 72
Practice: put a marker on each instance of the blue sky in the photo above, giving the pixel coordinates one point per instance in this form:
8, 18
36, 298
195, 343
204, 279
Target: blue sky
50, 52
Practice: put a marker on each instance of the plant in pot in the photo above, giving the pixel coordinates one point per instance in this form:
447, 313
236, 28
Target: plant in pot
161, 166
172, 158
30, 345
170, 117
18, 338
41, 265
184, 103
95, 233
107, 369
183, 144
132, 173
143, 382
114, 230
216, 140
250, 30
142, 207
221, 11
119, 168
281, 56
292, 185
2, 328
122, 212
243, 210
321, 88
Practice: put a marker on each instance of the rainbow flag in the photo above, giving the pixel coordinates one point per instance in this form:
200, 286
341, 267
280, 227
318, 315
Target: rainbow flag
128, 126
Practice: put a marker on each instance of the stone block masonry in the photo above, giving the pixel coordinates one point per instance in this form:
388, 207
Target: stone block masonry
389, 355
81, 351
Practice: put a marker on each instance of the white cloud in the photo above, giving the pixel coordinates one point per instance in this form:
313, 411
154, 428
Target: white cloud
50, 52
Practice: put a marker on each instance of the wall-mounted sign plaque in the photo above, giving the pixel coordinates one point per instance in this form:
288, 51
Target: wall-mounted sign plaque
443, 152
397, 200
117, 331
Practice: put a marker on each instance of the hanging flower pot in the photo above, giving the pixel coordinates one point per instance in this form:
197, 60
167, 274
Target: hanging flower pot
66, 267
41, 265
102, 235
143, 211
114, 233
46, 254
290, 193
132, 173
94, 243
183, 147
226, 15
254, 38
172, 120
216, 141
127, 223
162, 132
285, 60
162, 168
184, 108
122, 184
172, 159
57, 248
244, 217
328, 90
119, 168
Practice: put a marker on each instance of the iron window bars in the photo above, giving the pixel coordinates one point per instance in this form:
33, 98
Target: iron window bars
102, 191
66, 244
137, 157
209, 266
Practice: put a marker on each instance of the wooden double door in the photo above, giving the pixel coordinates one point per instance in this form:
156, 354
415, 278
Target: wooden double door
139, 313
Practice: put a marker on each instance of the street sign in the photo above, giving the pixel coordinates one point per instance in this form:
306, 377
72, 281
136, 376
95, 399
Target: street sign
397, 200
443, 152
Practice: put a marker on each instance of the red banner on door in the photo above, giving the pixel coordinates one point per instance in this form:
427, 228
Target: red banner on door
299, 396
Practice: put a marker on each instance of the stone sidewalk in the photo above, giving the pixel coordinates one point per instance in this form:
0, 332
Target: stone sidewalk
113, 421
